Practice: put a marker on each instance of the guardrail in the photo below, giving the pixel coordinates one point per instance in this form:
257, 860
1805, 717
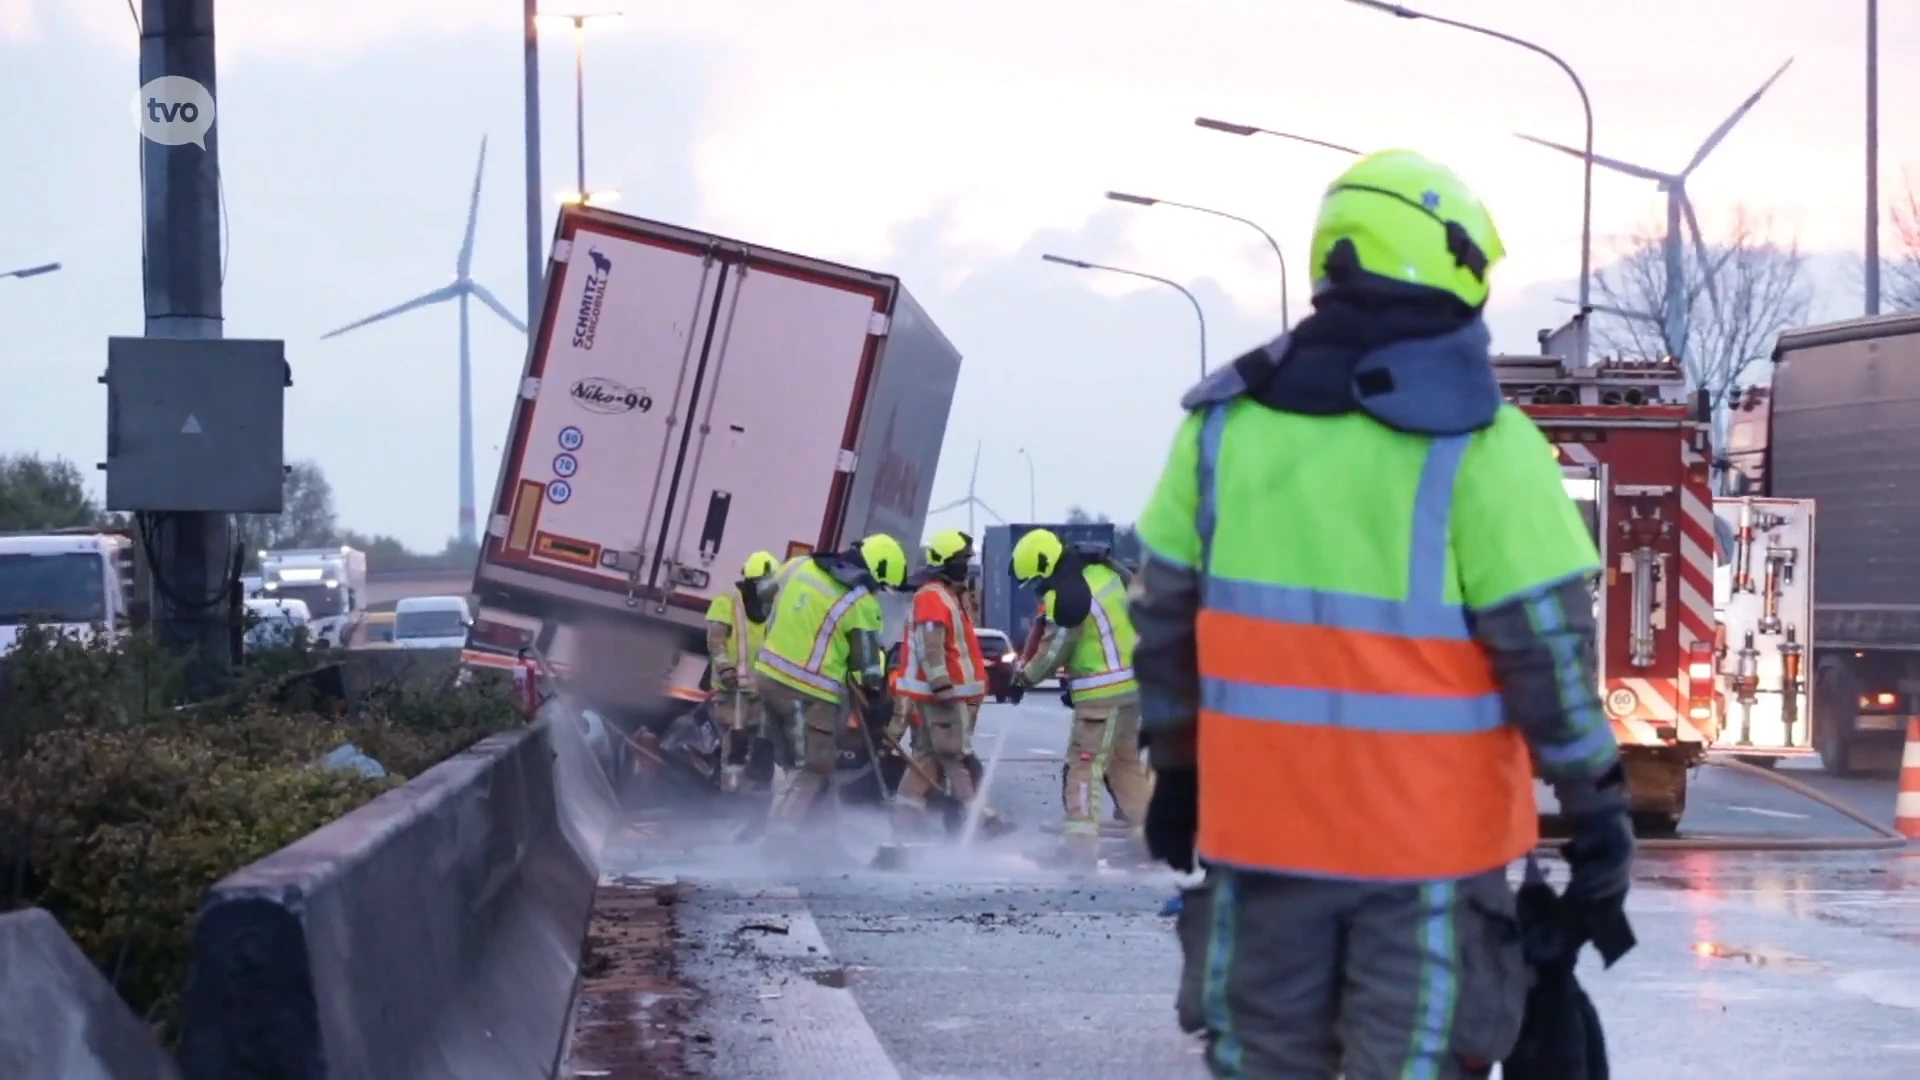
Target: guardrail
423, 572
432, 933
435, 932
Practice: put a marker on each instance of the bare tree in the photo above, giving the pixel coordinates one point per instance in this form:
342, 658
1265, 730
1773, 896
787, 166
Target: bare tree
1900, 275
1758, 290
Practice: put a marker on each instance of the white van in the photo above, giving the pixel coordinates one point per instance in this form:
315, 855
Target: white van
432, 622
275, 623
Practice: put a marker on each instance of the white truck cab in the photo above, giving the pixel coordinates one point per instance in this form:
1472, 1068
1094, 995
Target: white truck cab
432, 622
332, 582
80, 583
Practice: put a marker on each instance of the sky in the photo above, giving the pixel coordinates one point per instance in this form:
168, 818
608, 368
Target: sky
949, 144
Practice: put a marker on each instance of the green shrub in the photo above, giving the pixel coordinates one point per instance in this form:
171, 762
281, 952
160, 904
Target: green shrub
118, 808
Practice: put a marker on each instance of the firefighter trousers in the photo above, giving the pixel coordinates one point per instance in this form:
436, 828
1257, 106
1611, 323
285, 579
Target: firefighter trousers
941, 742
1104, 750
1294, 978
804, 731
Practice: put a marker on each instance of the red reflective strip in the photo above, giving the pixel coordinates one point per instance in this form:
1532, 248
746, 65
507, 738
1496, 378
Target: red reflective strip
1245, 649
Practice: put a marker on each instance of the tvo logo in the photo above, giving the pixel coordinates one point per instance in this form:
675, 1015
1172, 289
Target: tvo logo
174, 110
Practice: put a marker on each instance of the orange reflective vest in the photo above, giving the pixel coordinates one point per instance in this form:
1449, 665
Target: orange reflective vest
966, 668
1350, 736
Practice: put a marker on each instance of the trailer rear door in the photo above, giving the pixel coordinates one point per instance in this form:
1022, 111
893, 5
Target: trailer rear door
777, 402
596, 431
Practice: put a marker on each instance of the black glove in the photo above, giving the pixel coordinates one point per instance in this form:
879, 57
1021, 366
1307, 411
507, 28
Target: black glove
1600, 854
1173, 817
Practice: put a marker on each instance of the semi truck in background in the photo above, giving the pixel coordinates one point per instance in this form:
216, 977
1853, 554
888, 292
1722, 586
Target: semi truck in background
76, 581
331, 581
1005, 604
687, 400
1839, 432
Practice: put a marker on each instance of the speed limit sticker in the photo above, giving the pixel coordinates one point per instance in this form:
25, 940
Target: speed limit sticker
1621, 702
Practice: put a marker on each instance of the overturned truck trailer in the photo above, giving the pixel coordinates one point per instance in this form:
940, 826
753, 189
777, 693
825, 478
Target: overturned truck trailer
689, 399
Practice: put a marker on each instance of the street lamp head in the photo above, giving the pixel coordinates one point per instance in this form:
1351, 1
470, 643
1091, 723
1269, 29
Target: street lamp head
1064, 261
1137, 200
33, 271
1391, 9
578, 20
1222, 125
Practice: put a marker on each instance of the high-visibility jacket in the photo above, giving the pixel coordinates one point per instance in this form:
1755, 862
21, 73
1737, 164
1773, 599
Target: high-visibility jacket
960, 665
1101, 663
806, 646
744, 636
1350, 726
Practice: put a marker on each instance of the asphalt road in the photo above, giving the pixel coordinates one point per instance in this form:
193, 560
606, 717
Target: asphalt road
996, 962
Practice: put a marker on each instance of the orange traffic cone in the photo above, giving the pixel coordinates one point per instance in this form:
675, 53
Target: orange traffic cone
1906, 806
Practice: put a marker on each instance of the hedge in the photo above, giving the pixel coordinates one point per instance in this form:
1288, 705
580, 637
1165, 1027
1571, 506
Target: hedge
118, 808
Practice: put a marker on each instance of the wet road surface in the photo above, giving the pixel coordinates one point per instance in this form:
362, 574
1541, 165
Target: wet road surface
997, 962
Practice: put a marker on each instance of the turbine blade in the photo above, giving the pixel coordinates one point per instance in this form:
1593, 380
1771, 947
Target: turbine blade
974, 476
995, 514
465, 263
1603, 161
954, 505
445, 292
1726, 125
1707, 265
481, 294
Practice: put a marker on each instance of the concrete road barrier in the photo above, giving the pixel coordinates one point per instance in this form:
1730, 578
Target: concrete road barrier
59, 1018
433, 933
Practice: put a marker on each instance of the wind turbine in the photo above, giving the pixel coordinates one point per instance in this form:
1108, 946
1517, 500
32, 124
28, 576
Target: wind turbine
971, 500
460, 288
1678, 206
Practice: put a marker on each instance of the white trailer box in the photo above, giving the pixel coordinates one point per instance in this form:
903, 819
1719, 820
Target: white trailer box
689, 399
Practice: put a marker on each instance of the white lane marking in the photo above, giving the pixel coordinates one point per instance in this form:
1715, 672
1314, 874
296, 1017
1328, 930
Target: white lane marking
819, 1031
1770, 813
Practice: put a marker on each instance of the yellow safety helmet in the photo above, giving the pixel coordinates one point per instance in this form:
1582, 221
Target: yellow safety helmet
886, 560
759, 565
948, 545
1399, 216
1036, 555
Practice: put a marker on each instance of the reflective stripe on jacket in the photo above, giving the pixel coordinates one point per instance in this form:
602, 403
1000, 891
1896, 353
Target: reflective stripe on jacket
965, 668
806, 646
1349, 735
1100, 665
744, 637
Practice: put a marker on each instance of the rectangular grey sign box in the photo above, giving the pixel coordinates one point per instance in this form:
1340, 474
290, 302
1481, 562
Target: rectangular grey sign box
195, 425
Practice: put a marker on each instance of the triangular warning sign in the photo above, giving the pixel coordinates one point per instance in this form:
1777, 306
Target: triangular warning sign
191, 427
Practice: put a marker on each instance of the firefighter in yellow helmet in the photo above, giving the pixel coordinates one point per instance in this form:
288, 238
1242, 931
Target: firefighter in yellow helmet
823, 641
736, 625
1085, 626
1364, 624
943, 677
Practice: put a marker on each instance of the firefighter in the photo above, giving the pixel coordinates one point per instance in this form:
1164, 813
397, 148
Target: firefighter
824, 639
735, 629
1364, 603
943, 678
1085, 625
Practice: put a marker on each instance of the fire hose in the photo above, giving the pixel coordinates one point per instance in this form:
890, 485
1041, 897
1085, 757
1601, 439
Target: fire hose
1885, 839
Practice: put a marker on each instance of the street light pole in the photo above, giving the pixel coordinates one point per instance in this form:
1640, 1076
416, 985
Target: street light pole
1248, 129
31, 271
536, 277
1873, 157
1586, 106
1079, 264
1032, 514
579, 21
1286, 321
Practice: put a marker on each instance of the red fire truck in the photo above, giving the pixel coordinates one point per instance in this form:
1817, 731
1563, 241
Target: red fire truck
1634, 448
